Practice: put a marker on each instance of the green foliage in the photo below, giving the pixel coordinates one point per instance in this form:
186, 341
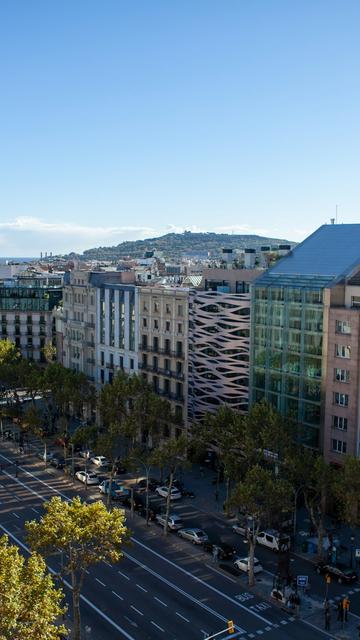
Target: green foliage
346, 488
9, 353
29, 602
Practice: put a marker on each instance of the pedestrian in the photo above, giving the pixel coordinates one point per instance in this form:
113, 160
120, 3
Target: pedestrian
215, 554
346, 607
327, 613
297, 603
340, 611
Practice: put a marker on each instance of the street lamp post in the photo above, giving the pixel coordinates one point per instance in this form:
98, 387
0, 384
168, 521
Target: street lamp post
352, 540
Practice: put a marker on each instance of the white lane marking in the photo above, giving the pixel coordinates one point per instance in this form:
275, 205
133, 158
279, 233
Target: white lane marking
16, 515
161, 602
82, 597
35, 510
131, 621
88, 572
157, 626
140, 587
313, 626
124, 575
35, 478
137, 610
194, 600
182, 617
205, 584
99, 581
117, 595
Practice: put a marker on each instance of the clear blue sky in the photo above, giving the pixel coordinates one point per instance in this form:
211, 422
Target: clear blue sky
125, 119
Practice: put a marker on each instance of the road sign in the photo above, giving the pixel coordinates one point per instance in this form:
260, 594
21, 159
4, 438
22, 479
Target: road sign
357, 553
302, 581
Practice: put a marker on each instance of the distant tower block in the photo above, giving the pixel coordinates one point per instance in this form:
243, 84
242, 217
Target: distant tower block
41, 255
227, 256
249, 256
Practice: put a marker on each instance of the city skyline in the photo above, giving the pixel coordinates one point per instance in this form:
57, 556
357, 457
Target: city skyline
127, 123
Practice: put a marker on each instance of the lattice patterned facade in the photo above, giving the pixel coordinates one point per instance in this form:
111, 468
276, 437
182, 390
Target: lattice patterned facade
219, 351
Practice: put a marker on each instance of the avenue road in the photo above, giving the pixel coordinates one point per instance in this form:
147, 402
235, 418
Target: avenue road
162, 589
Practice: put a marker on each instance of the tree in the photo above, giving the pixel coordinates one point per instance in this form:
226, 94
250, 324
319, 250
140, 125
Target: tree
87, 533
259, 495
318, 484
172, 454
224, 433
30, 604
9, 353
346, 489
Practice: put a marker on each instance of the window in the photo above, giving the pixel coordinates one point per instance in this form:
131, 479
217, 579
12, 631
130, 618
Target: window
342, 326
339, 422
131, 363
167, 346
341, 375
102, 358
179, 350
180, 309
102, 376
341, 399
167, 326
167, 364
338, 445
155, 344
156, 324
156, 307
121, 362
355, 301
168, 308
342, 351
144, 322
144, 342
179, 327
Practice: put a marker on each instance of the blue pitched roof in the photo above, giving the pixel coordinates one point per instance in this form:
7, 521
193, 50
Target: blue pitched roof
330, 253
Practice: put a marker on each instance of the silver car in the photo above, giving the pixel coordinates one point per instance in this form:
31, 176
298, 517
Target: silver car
174, 522
196, 536
88, 478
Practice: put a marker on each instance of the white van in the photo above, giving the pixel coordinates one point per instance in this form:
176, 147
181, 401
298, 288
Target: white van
273, 540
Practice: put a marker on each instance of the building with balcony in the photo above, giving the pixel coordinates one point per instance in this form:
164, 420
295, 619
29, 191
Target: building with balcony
163, 345
26, 308
305, 332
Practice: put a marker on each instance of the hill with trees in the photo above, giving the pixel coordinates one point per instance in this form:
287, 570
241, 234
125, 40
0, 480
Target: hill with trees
176, 245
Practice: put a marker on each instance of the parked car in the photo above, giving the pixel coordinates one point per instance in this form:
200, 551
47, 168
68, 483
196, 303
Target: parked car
242, 525
340, 572
45, 457
196, 536
100, 461
153, 484
224, 551
118, 489
86, 453
243, 565
175, 494
273, 540
89, 478
120, 468
174, 522
58, 462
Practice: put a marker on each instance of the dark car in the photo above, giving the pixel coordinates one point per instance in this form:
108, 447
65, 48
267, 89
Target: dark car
58, 462
153, 483
340, 572
225, 551
120, 468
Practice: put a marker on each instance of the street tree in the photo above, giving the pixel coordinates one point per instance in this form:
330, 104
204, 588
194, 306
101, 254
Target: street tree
223, 432
346, 487
30, 604
87, 534
259, 495
317, 490
170, 454
9, 353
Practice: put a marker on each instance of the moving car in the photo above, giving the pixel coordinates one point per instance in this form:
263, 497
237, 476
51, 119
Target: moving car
45, 457
100, 461
196, 536
273, 540
174, 522
58, 462
118, 489
242, 525
340, 572
243, 565
89, 478
175, 494
224, 551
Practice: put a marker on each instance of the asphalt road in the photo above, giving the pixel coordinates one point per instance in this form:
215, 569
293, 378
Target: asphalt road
162, 588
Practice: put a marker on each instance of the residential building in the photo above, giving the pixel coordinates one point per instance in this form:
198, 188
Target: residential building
163, 345
305, 339
219, 337
26, 308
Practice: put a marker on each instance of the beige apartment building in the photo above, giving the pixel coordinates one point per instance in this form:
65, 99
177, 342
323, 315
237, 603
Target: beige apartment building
163, 346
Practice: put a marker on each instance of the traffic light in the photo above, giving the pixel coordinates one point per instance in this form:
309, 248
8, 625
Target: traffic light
230, 627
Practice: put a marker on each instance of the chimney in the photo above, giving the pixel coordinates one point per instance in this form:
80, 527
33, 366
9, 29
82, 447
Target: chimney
249, 258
